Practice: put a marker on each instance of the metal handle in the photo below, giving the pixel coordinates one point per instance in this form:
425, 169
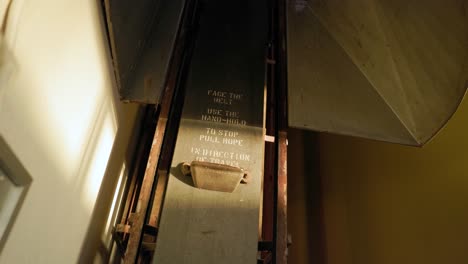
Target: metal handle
214, 176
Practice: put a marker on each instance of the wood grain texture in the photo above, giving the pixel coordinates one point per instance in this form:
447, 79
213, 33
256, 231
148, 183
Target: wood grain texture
411, 55
203, 226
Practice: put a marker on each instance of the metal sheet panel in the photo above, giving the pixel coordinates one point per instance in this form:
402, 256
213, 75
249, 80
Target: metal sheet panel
222, 122
388, 70
142, 35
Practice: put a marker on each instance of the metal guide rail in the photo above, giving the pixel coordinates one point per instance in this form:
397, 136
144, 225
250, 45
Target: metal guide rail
224, 90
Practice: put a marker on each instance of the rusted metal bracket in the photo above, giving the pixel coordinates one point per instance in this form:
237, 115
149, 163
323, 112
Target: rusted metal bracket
215, 177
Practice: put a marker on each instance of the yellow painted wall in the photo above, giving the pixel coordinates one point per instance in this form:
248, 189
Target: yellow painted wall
397, 204
303, 197
382, 203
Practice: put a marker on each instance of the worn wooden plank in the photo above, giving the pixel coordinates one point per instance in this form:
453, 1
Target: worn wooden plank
395, 72
281, 232
281, 250
222, 122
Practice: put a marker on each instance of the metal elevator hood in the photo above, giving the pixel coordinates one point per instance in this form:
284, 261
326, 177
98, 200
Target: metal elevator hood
393, 71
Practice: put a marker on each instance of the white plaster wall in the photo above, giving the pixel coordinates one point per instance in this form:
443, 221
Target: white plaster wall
60, 114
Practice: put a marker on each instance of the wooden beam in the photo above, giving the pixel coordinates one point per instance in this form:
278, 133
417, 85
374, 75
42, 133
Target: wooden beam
281, 222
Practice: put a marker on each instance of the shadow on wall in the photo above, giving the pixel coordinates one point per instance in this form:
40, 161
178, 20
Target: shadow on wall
98, 245
387, 203
304, 199
60, 114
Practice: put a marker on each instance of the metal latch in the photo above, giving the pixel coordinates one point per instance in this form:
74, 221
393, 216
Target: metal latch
215, 177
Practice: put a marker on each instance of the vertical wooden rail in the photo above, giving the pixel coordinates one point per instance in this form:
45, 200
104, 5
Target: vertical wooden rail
188, 34
274, 217
139, 217
136, 170
281, 231
270, 152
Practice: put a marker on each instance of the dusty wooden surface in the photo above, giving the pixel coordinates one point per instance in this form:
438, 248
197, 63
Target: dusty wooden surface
222, 122
388, 70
